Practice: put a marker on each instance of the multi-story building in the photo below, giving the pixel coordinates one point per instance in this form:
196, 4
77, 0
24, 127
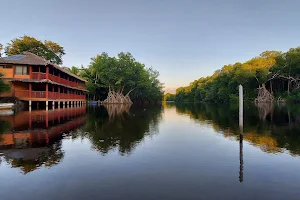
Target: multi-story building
39, 82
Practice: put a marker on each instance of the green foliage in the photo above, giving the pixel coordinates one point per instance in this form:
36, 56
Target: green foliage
279, 72
49, 50
294, 96
74, 70
122, 73
169, 97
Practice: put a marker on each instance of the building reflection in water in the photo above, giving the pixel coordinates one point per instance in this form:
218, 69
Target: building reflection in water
34, 138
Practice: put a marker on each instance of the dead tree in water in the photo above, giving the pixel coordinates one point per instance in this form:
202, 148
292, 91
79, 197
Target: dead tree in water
264, 96
118, 97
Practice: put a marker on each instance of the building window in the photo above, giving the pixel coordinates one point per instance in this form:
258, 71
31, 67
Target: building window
5, 66
22, 70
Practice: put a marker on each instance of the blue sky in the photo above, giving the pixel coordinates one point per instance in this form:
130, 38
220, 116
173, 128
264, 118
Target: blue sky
183, 39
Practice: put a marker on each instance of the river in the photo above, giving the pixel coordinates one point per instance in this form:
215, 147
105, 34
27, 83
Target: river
184, 151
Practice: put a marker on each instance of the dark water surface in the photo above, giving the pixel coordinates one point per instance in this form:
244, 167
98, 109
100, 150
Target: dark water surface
187, 151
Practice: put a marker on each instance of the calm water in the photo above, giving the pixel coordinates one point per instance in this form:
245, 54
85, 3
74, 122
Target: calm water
172, 151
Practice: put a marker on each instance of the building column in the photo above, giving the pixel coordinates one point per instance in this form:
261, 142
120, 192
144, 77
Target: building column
30, 90
30, 71
30, 104
47, 105
58, 92
47, 89
53, 105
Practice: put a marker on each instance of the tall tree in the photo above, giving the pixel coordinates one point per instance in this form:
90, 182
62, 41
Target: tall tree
55, 48
75, 70
123, 73
49, 50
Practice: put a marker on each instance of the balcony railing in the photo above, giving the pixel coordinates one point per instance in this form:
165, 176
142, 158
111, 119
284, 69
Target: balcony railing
23, 93
40, 75
51, 95
38, 94
54, 78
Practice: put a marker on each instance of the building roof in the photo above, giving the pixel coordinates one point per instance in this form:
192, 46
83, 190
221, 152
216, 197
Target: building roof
27, 58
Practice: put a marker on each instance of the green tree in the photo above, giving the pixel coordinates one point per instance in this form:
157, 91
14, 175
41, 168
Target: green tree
272, 71
169, 97
122, 73
74, 70
49, 50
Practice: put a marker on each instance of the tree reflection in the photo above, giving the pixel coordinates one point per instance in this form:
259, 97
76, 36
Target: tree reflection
30, 159
271, 128
115, 127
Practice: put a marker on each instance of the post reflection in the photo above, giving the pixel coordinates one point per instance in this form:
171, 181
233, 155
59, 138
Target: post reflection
33, 139
241, 175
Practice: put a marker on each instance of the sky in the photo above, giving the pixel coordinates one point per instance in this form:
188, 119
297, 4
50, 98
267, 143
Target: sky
183, 39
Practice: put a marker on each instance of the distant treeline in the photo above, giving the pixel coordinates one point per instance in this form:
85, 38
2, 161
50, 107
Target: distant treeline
277, 72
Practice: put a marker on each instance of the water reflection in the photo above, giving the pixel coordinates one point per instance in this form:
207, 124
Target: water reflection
30, 140
119, 127
196, 150
271, 128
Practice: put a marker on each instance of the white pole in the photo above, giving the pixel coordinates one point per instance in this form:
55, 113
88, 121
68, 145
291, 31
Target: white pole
241, 107
30, 103
47, 105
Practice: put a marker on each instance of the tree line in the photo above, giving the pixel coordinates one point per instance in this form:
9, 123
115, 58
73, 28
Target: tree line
278, 73
121, 73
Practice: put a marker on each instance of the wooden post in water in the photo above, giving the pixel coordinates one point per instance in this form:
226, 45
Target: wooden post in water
241, 125
241, 108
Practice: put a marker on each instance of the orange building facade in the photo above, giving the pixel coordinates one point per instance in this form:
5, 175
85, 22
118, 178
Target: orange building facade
34, 79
